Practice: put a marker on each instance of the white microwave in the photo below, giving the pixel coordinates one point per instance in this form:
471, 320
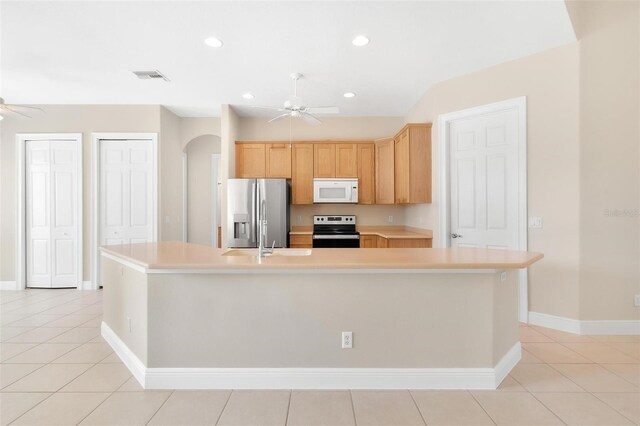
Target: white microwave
335, 190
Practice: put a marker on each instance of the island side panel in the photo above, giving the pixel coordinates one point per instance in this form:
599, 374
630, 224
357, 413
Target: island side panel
124, 298
398, 320
506, 325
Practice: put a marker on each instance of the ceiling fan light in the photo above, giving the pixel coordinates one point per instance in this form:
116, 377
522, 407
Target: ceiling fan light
349, 95
248, 96
213, 42
360, 41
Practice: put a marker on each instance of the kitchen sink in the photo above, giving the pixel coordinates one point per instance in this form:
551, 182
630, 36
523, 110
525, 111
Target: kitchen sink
276, 252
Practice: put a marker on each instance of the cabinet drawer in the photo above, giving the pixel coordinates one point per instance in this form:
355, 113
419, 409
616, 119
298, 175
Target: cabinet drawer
295, 241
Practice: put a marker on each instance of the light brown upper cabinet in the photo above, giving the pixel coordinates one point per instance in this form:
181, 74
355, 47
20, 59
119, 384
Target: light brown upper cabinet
250, 160
324, 160
384, 161
278, 160
366, 174
413, 164
346, 160
302, 166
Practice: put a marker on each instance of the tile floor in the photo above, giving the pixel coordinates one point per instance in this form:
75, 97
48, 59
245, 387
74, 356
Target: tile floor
56, 370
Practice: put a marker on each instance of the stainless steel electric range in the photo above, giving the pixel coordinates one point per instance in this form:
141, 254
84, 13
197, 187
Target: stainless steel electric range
335, 232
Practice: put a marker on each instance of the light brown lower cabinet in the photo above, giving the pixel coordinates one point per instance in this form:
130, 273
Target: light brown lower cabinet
368, 241
300, 241
382, 242
409, 242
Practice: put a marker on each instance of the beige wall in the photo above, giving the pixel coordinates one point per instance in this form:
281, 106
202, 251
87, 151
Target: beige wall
583, 148
199, 180
424, 320
173, 133
609, 34
549, 81
83, 119
331, 128
170, 177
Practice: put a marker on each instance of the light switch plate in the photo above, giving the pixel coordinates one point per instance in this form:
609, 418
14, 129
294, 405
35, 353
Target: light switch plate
636, 300
535, 222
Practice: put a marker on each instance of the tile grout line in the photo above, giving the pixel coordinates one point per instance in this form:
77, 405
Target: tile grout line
482, 407
610, 406
286, 419
223, 407
417, 408
161, 405
353, 407
95, 408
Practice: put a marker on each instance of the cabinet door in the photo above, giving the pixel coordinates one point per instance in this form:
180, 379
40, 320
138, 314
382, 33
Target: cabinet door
302, 173
368, 241
384, 165
346, 160
324, 160
278, 160
401, 171
250, 160
420, 164
409, 243
382, 242
366, 174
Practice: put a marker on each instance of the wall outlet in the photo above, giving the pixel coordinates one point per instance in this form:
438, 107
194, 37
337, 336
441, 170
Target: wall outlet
503, 276
636, 300
535, 222
390, 219
299, 219
347, 340
129, 323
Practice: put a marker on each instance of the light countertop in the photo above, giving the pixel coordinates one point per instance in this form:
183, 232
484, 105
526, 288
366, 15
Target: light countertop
403, 232
178, 255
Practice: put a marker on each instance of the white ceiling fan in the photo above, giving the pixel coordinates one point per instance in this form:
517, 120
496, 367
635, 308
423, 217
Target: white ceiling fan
15, 109
295, 107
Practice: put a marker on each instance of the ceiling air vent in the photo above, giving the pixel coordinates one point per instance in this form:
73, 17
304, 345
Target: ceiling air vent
150, 75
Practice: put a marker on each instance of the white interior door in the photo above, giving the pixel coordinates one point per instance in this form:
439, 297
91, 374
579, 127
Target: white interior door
126, 192
52, 223
484, 181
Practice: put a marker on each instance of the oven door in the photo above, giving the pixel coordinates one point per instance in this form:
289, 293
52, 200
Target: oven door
336, 241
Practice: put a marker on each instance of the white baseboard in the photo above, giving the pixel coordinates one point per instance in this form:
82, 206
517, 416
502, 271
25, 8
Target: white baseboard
593, 327
8, 285
86, 285
312, 378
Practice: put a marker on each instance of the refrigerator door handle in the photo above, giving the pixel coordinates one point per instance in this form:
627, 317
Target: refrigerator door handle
254, 216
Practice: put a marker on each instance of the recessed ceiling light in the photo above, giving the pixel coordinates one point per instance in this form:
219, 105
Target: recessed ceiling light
248, 96
213, 42
349, 95
360, 41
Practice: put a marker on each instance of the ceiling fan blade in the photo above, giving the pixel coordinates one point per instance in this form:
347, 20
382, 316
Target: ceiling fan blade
279, 117
310, 119
25, 106
8, 108
324, 110
266, 107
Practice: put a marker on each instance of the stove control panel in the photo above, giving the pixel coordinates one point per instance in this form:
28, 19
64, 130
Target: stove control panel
334, 220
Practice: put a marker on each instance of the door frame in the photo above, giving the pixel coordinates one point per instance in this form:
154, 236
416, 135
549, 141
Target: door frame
21, 196
444, 227
96, 139
215, 166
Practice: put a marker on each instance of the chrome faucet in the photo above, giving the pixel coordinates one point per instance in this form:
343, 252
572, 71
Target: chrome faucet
262, 234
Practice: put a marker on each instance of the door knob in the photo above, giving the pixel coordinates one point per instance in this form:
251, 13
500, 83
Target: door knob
454, 235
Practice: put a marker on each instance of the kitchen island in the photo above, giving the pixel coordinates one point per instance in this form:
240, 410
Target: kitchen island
194, 317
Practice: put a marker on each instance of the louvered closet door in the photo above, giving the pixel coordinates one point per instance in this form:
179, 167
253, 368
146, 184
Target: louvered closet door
126, 200
52, 224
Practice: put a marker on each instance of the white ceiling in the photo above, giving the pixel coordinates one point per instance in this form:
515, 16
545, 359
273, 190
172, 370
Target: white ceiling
60, 52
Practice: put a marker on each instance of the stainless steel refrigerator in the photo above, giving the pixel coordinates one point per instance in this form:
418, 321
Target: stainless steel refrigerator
252, 200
